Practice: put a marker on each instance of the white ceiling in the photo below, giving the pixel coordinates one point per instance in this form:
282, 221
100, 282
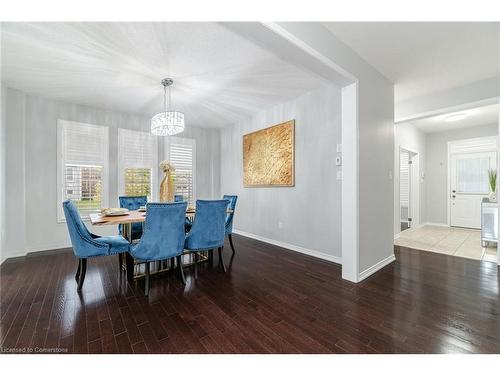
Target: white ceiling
475, 117
220, 77
425, 57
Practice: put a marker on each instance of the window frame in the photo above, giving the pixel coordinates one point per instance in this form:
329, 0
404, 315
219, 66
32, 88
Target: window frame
121, 164
184, 141
61, 163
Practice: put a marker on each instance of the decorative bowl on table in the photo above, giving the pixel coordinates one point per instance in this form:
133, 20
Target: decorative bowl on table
114, 211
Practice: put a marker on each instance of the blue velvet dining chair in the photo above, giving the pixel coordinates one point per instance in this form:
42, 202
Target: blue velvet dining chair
88, 245
229, 217
163, 236
208, 230
133, 203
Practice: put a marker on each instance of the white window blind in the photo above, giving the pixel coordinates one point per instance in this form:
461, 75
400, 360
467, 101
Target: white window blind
82, 166
181, 152
137, 163
404, 185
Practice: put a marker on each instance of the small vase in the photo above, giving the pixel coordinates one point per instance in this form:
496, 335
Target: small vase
492, 196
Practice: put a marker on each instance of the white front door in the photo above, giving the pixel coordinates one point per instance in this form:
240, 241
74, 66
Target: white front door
468, 186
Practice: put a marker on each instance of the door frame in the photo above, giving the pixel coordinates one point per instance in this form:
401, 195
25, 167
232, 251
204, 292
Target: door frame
414, 187
486, 148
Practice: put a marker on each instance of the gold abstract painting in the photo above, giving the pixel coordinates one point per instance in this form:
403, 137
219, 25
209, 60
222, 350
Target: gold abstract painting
268, 156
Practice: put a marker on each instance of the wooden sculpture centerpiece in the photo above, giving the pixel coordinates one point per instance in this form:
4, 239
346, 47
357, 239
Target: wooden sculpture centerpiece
167, 184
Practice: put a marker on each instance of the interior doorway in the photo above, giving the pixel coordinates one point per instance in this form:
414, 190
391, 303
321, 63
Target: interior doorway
408, 188
469, 163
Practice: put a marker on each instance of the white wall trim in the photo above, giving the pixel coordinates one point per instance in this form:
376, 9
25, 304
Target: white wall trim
29, 250
377, 266
397, 235
299, 249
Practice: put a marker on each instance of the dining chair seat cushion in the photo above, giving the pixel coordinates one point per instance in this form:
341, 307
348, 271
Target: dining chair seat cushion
117, 244
208, 228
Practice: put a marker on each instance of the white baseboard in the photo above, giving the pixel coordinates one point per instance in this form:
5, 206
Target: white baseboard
48, 247
377, 266
396, 236
303, 250
436, 224
22, 253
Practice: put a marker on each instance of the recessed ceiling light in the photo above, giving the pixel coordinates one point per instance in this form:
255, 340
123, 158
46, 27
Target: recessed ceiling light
455, 117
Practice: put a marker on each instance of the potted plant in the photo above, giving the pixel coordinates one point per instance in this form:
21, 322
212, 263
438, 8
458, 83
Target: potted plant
492, 178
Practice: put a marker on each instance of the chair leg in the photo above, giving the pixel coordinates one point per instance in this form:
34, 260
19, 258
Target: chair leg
83, 270
211, 257
195, 265
78, 269
181, 270
146, 285
120, 262
230, 237
221, 261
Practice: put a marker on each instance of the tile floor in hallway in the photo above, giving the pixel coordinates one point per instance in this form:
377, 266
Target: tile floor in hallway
460, 242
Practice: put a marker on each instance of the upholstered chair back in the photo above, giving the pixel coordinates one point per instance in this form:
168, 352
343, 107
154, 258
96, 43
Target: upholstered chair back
84, 245
133, 203
208, 229
230, 215
163, 235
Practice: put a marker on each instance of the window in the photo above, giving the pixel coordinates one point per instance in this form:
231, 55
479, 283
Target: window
137, 163
181, 152
82, 166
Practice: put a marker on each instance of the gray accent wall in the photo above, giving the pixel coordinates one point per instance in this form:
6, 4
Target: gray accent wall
308, 214
31, 166
436, 178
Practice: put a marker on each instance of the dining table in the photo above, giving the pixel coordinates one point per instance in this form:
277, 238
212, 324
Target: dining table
134, 268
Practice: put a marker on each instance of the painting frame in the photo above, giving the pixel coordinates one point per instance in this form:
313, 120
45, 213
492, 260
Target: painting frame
287, 126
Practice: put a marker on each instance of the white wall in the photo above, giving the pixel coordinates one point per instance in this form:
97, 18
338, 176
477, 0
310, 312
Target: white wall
310, 211
436, 178
2, 173
409, 137
375, 133
31, 137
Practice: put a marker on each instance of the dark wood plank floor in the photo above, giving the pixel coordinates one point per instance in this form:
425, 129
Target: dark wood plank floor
271, 301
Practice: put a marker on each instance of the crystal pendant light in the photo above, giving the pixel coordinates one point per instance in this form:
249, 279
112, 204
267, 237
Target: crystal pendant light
167, 122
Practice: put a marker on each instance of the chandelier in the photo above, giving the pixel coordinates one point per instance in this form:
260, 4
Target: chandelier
167, 122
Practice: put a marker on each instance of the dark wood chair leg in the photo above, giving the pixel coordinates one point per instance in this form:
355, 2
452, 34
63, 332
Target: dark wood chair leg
221, 261
146, 285
78, 269
181, 270
211, 257
230, 237
83, 271
120, 262
195, 265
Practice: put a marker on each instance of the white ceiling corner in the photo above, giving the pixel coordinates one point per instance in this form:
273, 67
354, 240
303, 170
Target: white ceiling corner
220, 77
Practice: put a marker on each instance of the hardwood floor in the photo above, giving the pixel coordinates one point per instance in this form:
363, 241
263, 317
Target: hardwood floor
271, 300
